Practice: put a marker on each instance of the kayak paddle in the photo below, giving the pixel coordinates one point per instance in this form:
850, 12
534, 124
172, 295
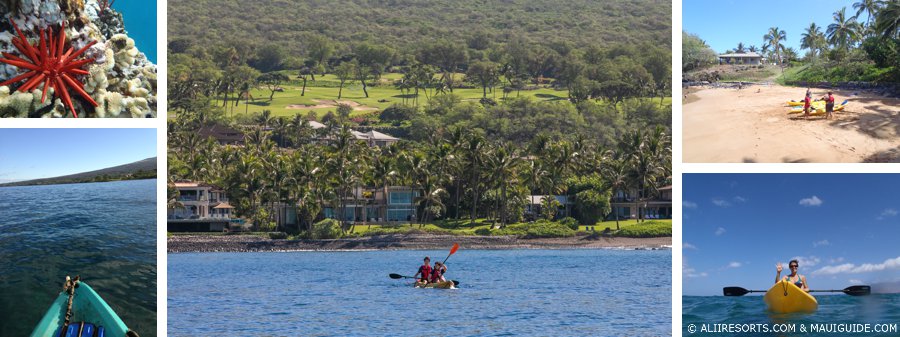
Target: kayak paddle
398, 276
452, 250
738, 291
851, 290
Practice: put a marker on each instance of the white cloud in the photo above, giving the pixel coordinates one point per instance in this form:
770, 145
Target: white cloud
821, 243
688, 272
740, 199
837, 260
887, 213
810, 261
850, 268
734, 265
720, 231
855, 281
688, 246
811, 201
688, 204
720, 202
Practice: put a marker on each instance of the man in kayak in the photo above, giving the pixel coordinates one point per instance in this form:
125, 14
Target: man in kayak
425, 271
794, 277
437, 274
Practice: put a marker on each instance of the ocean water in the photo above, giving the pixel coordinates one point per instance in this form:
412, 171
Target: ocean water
502, 293
841, 310
105, 232
140, 22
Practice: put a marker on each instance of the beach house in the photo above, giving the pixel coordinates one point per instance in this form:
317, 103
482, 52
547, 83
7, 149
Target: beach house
199, 207
740, 58
626, 205
394, 204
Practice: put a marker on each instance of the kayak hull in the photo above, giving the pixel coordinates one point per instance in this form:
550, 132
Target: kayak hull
437, 285
785, 297
87, 306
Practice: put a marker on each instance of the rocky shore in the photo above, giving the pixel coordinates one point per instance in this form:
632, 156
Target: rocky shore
253, 243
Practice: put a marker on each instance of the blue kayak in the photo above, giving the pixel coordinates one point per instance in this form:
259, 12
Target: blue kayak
91, 317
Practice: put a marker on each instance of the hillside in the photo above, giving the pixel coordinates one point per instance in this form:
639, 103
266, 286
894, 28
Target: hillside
142, 169
404, 23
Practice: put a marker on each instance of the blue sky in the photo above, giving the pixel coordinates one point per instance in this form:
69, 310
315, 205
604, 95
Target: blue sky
42, 153
842, 227
724, 23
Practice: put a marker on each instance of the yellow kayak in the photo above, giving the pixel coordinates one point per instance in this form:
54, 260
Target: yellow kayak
800, 103
785, 297
437, 285
816, 110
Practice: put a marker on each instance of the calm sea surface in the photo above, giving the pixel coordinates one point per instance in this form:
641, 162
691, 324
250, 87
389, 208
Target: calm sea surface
502, 293
140, 22
873, 309
105, 232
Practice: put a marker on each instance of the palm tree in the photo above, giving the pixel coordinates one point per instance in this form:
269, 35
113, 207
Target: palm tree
615, 172
503, 164
868, 6
475, 154
813, 39
887, 20
752, 49
773, 39
844, 31
740, 48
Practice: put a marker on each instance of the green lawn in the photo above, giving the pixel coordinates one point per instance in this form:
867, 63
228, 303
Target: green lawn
325, 90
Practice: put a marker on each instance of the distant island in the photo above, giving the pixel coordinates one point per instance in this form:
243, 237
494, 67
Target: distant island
142, 169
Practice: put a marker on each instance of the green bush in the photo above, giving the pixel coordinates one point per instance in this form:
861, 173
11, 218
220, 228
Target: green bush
326, 229
539, 229
569, 222
483, 231
278, 235
647, 229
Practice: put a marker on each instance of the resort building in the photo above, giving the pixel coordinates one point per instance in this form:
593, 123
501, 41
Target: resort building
740, 58
201, 207
223, 134
535, 202
369, 205
625, 206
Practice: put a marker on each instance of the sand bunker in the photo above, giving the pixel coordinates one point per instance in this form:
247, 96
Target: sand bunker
753, 125
325, 103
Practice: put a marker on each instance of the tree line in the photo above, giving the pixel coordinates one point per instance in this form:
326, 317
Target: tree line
459, 173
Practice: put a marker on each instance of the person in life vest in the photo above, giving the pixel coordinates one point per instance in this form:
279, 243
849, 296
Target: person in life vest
425, 271
829, 105
807, 102
437, 273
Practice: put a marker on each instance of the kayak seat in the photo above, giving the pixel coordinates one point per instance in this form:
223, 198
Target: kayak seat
82, 329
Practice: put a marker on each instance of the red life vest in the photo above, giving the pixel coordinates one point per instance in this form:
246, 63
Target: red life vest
425, 270
435, 275
829, 99
806, 102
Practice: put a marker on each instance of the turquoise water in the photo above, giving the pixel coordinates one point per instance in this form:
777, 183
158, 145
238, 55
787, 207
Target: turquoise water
502, 293
105, 232
837, 309
140, 22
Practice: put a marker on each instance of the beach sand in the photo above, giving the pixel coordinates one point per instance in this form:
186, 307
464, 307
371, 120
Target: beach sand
253, 243
752, 125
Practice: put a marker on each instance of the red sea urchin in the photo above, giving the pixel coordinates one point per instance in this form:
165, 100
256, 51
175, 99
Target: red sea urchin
53, 62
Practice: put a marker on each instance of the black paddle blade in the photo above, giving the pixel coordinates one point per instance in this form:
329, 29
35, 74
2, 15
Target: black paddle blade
734, 291
396, 276
455, 283
858, 290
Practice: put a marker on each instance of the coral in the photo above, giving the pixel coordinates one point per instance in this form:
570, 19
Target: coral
121, 80
53, 63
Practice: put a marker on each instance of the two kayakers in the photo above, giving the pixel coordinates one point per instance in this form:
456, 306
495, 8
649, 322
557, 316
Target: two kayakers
424, 270
428, 274
794, 277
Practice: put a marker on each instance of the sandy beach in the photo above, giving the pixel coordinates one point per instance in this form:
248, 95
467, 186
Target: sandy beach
252, 243
753, 125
